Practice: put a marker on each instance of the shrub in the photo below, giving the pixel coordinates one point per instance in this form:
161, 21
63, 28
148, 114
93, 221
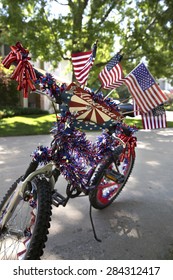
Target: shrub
19, 111
9, 96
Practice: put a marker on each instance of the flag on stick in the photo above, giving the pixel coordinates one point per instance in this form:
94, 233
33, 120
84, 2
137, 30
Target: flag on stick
112, 75
153, 119
82, 63
156, 118
144, 89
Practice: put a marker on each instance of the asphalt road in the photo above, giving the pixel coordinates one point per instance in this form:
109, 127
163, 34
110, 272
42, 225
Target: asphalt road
137, 226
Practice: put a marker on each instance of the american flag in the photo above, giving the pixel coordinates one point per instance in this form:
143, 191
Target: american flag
156, 118
112, 75
151, 120
144, 89
82, 63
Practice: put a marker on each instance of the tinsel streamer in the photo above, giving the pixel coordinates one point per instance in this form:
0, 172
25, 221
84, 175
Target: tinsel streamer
118, 128
105, 144
23, 73
49, 85
14, 55
72, 152
42, 154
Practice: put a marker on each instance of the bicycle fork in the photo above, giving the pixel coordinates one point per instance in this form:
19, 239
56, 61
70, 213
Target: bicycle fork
19, 192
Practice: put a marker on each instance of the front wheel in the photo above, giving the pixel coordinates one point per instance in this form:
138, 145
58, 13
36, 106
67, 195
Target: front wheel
106, 190
25, 234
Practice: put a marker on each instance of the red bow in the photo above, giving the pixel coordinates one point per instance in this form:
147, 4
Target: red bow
24, 73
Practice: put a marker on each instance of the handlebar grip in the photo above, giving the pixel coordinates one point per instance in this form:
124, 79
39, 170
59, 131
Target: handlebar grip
32, 167
126, 130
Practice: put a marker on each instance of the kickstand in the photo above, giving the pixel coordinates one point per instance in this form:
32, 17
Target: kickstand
91, 219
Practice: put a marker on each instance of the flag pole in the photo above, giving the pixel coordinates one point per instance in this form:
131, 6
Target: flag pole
94, 49
124, 100
108, 94
98, 90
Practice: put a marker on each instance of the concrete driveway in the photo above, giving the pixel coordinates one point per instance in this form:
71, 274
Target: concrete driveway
138, 225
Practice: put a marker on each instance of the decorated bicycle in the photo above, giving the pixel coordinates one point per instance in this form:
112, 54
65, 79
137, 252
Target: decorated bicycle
98, 170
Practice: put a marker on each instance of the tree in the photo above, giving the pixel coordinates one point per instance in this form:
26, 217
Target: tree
149, 34
142, 28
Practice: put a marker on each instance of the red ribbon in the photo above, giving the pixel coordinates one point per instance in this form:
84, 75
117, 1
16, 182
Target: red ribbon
24, 73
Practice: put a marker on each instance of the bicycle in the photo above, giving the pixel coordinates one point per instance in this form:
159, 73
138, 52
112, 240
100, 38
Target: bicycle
98, 170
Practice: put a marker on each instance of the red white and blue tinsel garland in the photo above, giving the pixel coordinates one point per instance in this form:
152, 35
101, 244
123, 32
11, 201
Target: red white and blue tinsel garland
49, 86
72, 152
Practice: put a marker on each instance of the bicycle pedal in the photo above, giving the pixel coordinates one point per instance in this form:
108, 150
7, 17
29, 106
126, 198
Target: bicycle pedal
58, 199
114, 176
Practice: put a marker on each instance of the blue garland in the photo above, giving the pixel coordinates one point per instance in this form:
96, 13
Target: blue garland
50, 87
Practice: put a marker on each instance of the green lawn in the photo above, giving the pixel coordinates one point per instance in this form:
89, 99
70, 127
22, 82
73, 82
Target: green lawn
26, 125
138, 123
36, 124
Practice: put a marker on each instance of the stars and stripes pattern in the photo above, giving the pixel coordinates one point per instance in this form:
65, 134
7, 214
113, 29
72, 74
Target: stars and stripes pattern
112, 75
82, 63
144, 89
154, 119
151, 121
159, 110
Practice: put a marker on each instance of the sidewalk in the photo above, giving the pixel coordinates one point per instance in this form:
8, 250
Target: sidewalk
169, 115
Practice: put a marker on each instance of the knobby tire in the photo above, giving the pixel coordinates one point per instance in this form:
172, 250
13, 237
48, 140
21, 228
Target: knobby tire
34, 250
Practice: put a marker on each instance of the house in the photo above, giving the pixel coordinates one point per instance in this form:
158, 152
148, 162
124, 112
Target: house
61, 74
4, 50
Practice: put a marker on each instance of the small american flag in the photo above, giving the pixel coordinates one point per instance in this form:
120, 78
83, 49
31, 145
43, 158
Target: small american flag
156, 118
144, 89
82, 63
112, 75
152, 121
